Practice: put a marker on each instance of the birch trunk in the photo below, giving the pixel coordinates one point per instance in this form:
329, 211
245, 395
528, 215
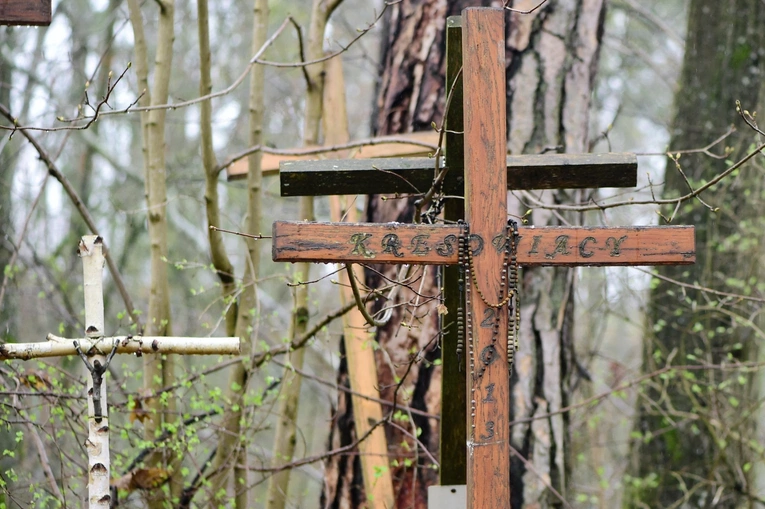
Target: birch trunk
157, 370
231, 448
59, 347
90, 250
284, 446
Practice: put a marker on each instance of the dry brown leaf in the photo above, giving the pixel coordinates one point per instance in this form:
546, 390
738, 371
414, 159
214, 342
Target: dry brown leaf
142, 479
36, 379
149, 478
138, 413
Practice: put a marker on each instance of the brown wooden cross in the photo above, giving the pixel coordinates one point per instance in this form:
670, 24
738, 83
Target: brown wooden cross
485, 184
25, 12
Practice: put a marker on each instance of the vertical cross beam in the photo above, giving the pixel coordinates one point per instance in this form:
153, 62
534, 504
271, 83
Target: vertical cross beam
488, 392
91, 253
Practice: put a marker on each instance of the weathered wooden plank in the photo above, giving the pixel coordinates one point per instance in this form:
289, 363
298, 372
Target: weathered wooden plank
25, 12
383, 146
296, 241
453, 435
415, 175
488, 387
399, 243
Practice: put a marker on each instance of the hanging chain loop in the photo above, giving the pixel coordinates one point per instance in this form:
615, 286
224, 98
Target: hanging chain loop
508, 296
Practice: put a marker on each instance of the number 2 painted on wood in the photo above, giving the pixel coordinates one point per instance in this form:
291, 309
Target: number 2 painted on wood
488, 318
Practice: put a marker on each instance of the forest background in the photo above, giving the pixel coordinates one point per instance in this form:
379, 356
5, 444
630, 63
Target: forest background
659, 390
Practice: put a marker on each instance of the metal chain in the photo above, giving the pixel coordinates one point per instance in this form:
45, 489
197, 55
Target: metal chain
509, 282
506, 299
462, 253
461, 290
514, 306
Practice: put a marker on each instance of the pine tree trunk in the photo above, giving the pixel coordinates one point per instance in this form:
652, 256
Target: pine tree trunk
687, 460
552, 55
553, 58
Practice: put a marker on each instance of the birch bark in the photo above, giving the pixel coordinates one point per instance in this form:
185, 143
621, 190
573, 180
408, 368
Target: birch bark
90, 251
157, 370
284, 446
231, 446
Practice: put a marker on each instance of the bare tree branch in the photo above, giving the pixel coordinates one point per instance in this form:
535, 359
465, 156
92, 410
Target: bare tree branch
84, 213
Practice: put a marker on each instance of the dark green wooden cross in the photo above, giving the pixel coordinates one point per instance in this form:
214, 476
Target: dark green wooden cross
487, 172
25, 12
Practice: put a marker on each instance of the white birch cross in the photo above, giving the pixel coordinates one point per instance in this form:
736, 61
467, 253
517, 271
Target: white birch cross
97, 350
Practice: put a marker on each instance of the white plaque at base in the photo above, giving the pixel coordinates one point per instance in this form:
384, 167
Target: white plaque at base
447, 497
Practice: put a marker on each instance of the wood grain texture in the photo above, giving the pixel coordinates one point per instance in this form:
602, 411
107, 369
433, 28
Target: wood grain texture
415, 175
298, 241
483, 78
25, 12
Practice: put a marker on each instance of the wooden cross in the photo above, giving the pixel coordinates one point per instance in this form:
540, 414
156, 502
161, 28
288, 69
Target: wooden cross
485, 184
25, 12
97, 351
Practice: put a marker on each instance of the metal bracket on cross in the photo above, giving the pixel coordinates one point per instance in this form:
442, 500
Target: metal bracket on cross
96, 350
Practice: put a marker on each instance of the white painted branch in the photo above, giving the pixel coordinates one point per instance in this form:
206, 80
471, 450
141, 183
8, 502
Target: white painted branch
91, 252
57, 346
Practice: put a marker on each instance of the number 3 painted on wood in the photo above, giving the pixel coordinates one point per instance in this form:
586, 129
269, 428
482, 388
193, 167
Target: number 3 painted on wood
489, 431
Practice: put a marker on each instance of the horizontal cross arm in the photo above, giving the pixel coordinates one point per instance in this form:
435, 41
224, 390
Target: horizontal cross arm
415, 174
25, 12
57, 347
296, 241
